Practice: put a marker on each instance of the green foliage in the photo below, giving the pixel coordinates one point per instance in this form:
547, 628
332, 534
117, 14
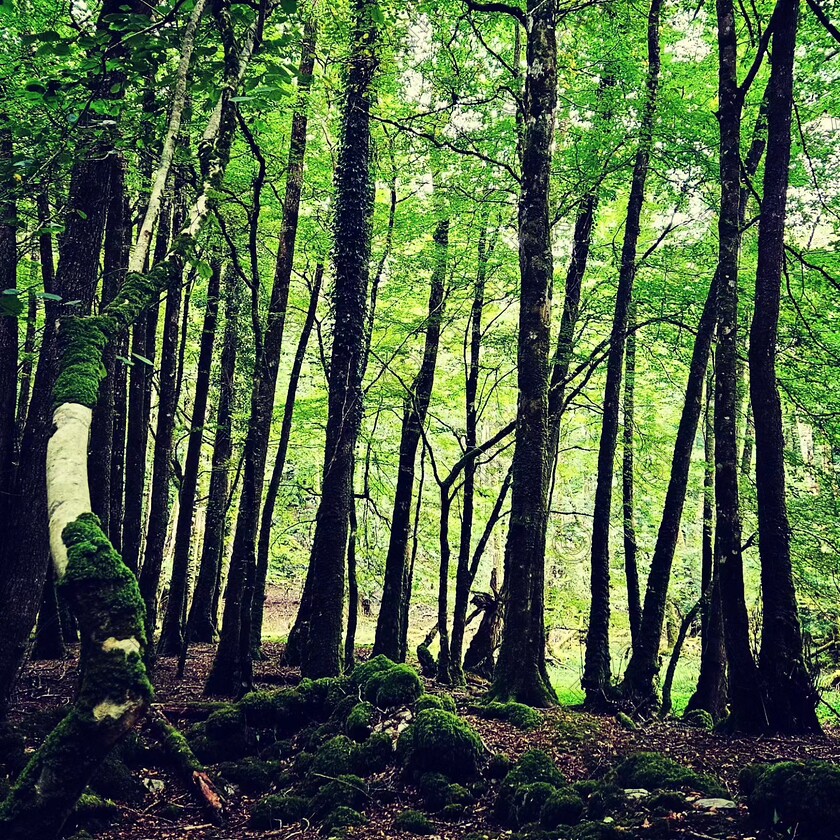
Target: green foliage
804, 797
334, 758
414, 822
653, 770
442, 742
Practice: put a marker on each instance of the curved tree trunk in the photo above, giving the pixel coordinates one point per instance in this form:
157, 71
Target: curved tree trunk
597, 674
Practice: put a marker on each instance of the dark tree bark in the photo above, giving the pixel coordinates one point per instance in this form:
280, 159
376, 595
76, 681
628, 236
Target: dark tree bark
158, 519
232, 669
521, 671
711, 690
201, 624
463, 579
416, 404
631, 568
26, 368
644, 663
321, 649
115, 262
745, 698
172, 635
264, 542
790, 694
597, 674
415, 542
8, 322
352, 592
49, 638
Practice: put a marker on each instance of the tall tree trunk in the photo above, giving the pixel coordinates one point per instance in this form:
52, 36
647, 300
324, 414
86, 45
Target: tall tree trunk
26, 369
232, 670
321, 653
631, 568
745, 698
710, 693
171, 639
790, 695
264, 543
416, 404
463, 580
521, 671
408, 583
201, 624
352, 592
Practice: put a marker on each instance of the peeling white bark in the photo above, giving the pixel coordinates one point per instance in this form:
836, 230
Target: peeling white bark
68, 494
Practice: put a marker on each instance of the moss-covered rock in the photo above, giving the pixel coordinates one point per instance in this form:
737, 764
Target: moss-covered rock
398, 685
374, 755
251, 775
434, 790
599, 831
360, 721
334, 758
93, 812
562, 807
222, 737
517, 714
428, 664
529, 801
347, 790
699, 718
534, 767
363, 672
454, 812
499, 766
414, 822
801, 795
276, 811
440, 741
114, 780
666, 802
605, 799
435, 701
341, 817
652, 771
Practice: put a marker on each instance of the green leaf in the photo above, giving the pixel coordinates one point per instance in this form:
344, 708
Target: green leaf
143, 359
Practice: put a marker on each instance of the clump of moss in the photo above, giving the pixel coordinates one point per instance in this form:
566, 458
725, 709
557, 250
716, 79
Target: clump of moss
360, 721
699, 718
414, 822
276, 811
250, 774
626, 722
435, 701
605, 799
334, 758
792, 794
652, 770
598, 831
93, 812
499, 766
342, 817
517, 714
666, 802
365, 670
114, 780
454, 812
440, 741
434, 790
374, 755
516, 801
347, 790
562, 807
428, 664
398, 685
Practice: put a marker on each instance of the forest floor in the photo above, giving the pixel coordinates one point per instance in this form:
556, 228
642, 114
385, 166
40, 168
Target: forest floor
583, 746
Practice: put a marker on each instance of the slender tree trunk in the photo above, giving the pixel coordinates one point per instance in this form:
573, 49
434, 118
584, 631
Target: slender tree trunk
232, 670
416, 404
631, 570
201, 624
791, 698
597, 673
49, 638
749, 442
26, 369
321, 654
746, 702
352, 593
415, 541
521, 670
171, 639
710, 693
264, 543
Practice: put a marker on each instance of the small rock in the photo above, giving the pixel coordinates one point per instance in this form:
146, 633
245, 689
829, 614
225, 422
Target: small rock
636, 794
715, 805
153, 785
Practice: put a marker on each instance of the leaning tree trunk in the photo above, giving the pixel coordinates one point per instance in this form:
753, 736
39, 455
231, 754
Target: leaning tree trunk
106, 600
597, 673
279, 465
201, 624
521, 670
232, 671
321, 648
745, 697
416, 404
790, 695
171, 639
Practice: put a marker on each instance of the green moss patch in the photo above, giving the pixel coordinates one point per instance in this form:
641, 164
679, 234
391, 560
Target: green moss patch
250, 775
654, 771
277, 811
517, 714
360, 721
440, 741
414, 822
435, 701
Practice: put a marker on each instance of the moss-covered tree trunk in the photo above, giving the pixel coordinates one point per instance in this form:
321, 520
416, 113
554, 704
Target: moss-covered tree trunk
321, 648
790, 694
521, 671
